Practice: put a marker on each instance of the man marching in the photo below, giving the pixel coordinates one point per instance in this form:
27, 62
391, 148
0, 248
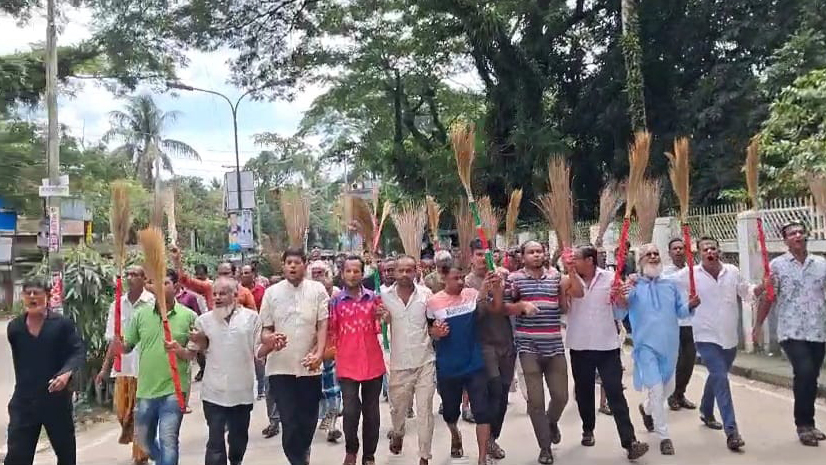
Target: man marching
654, 306
412, 360
716, 321
594, 347
687, 355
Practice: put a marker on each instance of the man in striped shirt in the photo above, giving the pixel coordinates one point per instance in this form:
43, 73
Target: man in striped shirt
539, 344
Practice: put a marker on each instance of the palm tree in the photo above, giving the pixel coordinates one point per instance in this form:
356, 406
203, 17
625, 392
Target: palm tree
141, 128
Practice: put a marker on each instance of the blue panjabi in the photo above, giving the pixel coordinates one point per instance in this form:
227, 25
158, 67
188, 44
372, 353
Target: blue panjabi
654, 306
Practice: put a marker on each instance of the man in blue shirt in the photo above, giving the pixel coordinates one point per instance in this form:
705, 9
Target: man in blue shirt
654, 306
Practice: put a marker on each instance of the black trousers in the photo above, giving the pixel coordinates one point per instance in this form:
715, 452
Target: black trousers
297, 398
806, 358
235, 422
355, 406
500, 362
584, 365
686, 359
28, 417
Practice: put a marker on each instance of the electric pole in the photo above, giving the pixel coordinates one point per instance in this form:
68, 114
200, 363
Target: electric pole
53, 151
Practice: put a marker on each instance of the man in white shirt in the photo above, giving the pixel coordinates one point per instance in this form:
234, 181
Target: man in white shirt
687, 355
412, 359
229, 335
715, 323
126, 379
595, 347
294, 318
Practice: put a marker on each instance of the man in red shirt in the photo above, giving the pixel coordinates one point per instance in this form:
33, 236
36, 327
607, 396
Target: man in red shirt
248, 280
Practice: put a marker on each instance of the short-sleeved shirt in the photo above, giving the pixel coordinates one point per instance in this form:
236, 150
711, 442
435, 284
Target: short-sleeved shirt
539, 334
294, 311
129, 362
411, 346
460, 352
353, 328
800, 301
494, 329
145, 331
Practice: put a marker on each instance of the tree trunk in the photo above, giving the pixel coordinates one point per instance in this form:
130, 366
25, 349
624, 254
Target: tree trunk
632, 51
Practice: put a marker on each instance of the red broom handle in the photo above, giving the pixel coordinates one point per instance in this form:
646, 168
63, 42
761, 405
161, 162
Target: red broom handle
689, 256
173, 366
761, 238
117, 316
621, 254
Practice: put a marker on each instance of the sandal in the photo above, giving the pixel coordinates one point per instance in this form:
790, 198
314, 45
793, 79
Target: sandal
456, 450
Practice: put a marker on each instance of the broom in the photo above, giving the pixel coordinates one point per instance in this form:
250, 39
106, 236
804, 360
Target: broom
752, 169
295, 207
638, 154
511, 216
679, 170
610, 201
152, 242
557, 205
647, 207
363, 220
119, 223
462, 138
433, 213
491, 218
464, 227
817, 184
367, 226
410, 222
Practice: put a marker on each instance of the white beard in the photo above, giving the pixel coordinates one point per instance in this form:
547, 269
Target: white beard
652, 271
222, 312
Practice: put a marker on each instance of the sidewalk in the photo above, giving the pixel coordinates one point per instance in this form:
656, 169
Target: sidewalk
774, 370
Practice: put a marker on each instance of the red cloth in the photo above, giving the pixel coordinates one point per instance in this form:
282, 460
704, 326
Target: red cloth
258, 295
353, 331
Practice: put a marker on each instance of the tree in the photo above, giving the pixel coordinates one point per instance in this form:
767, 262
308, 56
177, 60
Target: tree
632, 52
141, 129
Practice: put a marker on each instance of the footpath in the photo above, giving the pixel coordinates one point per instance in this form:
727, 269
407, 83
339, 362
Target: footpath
770, 369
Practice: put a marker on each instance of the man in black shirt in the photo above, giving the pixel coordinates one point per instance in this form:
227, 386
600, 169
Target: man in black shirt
46, 351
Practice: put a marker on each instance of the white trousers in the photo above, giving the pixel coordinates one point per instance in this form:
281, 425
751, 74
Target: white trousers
655, 405
403, 386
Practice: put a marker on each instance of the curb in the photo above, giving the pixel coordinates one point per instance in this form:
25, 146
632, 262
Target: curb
769, 378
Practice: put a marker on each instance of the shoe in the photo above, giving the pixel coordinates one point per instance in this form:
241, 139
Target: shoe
674, 404
556, 434
710, 422
818, 434
333, 435
411, 413
546, 457
606, 410
588, 439
495, 451
807, 437
396, 443
324, 424
647, 420
368, 461
666, 447
467, 415
271, 431
636, 450
734, 442
687, 404
199, 377
349, 459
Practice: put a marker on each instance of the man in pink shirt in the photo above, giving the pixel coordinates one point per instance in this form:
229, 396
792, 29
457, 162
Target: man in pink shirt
353, 329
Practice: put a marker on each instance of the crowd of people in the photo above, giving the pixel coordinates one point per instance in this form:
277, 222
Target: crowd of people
329, 343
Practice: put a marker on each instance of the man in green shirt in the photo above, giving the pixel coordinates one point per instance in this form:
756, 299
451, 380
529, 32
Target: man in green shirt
157, 414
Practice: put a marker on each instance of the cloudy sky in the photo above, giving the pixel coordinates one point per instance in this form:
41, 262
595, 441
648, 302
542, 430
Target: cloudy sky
206, 123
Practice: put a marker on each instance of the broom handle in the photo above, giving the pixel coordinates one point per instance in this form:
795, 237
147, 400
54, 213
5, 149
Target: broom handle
761, 238
173, 364
385, 342
689, 255
117, 316
481, 232
623, 251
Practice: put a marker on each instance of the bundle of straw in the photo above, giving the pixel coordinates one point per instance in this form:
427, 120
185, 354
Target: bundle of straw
557, 205
410, 222
387, 209
156, 219
462, 139
638, 154
363, 220
120, 221
296, 209
610, 201
434, 211
752, 172
817, 185
491, 218
647, 208
269, 248
152, 242
679, 172
464, 227
512, 216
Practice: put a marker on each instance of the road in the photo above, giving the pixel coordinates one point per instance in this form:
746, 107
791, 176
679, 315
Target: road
764, 415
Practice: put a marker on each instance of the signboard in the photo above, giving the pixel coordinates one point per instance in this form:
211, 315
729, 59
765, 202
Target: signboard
54, 191
88, 233
231, 190
239, 228
56, 294
54, 229
5, 249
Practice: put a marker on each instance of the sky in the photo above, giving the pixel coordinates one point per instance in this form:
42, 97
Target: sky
206, 120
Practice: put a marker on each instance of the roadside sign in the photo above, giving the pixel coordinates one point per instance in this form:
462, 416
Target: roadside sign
56, 294
54, 191
54, 229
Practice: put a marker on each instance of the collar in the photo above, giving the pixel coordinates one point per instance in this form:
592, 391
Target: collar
145, 297
364, 294
700, 267
790, 257
545, 273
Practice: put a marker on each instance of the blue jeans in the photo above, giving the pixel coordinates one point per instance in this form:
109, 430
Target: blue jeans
157, 424
718, 361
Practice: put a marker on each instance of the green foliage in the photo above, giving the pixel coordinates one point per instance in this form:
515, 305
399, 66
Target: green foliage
793, 139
